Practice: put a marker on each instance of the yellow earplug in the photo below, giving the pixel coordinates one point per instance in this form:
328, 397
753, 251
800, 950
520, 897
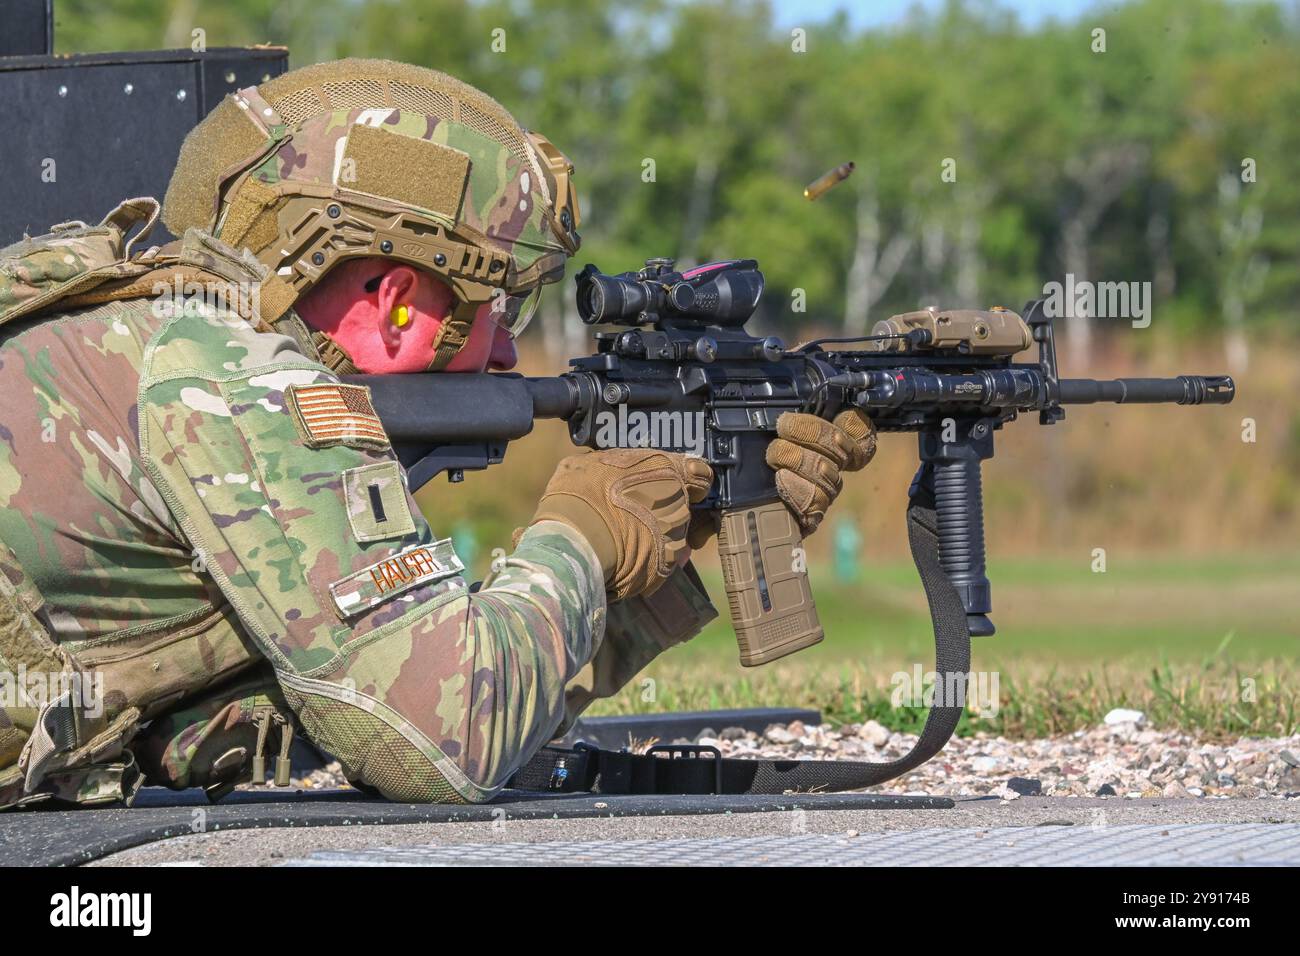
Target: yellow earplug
400, 316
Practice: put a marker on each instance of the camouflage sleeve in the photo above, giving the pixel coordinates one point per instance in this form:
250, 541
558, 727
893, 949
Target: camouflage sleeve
283, 482
637, 630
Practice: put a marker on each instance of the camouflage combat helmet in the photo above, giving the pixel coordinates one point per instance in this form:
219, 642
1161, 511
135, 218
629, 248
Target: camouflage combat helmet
374, 158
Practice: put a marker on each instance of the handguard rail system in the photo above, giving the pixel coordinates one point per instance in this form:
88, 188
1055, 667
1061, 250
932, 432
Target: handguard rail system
675, 343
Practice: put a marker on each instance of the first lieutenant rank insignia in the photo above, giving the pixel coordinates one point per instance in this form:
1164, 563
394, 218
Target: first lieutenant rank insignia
331, 413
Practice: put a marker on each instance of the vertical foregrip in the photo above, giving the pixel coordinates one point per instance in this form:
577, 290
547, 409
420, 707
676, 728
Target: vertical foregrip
959, 508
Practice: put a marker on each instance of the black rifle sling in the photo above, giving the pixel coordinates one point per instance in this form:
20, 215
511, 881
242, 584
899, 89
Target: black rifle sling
604, 771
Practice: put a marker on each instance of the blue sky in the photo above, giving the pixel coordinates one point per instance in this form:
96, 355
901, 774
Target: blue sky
870, 13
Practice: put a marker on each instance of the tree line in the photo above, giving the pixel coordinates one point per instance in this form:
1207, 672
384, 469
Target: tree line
1153, 142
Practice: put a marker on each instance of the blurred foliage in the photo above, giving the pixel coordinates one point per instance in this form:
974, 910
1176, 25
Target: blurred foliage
1120, 165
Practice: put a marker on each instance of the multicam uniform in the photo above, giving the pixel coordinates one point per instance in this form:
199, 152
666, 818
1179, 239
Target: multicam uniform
198, 512
191, 498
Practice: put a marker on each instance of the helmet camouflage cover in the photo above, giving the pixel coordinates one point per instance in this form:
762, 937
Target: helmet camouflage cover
375, 158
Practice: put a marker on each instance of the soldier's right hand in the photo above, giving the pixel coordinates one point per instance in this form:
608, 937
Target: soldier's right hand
632, 506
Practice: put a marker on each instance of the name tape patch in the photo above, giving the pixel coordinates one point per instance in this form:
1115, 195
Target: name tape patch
384, 580
333, 413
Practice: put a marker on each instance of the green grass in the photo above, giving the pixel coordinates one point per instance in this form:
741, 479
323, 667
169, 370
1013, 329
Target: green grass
1141, 611
1186, 641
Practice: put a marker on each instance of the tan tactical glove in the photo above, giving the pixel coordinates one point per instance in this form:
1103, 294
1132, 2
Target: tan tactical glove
809, 454
632, 506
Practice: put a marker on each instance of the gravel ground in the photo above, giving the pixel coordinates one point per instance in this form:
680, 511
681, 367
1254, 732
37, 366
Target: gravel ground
1122, 758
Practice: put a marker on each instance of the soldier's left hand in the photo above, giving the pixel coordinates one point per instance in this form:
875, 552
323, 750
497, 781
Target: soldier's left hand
810, 455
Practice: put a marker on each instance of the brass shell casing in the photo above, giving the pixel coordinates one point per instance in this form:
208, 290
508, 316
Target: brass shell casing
824, 182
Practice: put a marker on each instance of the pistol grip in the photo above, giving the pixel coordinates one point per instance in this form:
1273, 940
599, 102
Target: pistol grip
766, 578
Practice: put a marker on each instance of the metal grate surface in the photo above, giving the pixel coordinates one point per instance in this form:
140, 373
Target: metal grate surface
1205, 844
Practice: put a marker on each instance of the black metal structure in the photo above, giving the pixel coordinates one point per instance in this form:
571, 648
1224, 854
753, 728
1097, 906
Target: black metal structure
28, 27
84, 131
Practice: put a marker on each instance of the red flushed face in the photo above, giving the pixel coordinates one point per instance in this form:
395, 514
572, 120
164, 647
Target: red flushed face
387, 318
490, 347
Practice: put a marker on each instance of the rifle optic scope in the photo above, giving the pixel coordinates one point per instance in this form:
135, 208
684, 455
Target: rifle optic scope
719, 293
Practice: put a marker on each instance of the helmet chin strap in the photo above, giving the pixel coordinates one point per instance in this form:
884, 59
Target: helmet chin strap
333, 356
453, 335
313, 343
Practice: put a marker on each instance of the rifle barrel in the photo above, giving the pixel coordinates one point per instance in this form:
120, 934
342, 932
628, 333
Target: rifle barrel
1183, 390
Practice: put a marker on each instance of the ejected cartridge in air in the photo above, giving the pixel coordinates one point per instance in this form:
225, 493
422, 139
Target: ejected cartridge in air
826, 181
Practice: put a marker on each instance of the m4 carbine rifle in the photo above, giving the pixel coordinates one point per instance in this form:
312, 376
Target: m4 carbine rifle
675, 342
674, 351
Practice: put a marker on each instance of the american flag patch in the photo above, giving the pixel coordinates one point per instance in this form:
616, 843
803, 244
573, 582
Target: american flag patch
335, 414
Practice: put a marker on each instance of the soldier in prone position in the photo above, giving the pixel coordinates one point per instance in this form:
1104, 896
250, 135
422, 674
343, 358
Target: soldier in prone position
205, 525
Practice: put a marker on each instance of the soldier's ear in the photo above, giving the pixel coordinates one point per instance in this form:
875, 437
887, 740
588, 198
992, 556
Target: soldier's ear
395, 309
396, 287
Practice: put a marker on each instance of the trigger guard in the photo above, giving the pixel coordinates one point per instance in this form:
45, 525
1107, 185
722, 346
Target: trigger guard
921, 491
